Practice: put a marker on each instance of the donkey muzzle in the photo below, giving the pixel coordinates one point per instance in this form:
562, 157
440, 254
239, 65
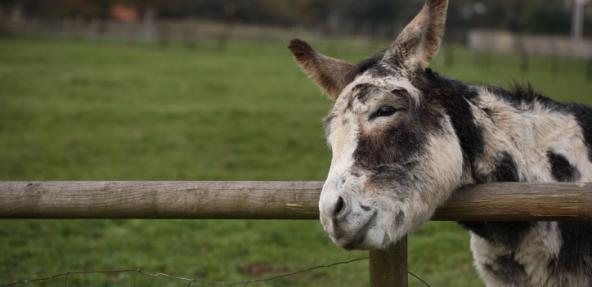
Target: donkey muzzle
345, 219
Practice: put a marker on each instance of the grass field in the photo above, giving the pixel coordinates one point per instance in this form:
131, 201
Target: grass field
87, 111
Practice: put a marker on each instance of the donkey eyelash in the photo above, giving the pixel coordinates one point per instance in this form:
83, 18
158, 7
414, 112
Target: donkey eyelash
384, 111
399, 92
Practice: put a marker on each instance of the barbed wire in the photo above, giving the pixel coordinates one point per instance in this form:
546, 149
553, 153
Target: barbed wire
193, 281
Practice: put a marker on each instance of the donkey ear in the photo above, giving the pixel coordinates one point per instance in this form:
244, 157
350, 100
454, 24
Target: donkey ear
420, 41
328, 73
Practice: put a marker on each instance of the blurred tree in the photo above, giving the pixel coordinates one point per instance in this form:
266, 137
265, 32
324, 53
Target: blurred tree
548, 18
376, 17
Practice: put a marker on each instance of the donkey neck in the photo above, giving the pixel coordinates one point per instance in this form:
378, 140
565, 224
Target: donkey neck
515, 134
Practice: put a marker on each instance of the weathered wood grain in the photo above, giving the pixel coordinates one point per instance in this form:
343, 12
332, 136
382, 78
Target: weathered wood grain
519, 201
270, 200
159, 199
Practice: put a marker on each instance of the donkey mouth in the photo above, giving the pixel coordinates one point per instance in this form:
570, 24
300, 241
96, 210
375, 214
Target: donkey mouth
360, 235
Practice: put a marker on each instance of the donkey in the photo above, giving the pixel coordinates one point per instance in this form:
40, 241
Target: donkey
403, 138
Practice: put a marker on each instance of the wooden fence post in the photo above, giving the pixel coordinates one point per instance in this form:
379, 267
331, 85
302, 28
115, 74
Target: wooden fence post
388, 268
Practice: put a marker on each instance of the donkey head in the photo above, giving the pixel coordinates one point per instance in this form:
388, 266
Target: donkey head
395, 153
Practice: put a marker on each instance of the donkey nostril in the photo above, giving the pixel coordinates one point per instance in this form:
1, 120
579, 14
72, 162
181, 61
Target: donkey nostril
338, 206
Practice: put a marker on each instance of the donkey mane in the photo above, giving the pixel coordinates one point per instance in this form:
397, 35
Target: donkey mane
522, 96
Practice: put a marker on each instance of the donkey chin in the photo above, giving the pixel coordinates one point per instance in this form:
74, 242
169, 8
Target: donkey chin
352, 225
365, 229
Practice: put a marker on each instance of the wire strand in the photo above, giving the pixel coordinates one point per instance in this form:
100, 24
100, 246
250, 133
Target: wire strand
194, 281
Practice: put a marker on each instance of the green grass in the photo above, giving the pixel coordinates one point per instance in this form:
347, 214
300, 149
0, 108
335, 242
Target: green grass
87, 111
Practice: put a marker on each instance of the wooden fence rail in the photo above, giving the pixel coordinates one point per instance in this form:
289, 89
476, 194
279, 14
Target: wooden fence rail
280, 200
270, 200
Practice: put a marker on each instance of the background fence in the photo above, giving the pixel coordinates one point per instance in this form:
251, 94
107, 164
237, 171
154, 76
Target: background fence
278, 200
520, 52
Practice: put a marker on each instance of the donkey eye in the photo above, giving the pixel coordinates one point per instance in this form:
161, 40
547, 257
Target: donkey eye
384, 111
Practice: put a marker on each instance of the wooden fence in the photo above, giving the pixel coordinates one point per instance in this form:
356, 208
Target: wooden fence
280, 200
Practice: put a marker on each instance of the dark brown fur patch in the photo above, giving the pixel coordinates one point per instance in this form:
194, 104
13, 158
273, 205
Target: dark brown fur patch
399, 142
561, 169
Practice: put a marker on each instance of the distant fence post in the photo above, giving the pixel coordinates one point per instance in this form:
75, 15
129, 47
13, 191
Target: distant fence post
483, 59
388, 268
589, 69
554, 65
524, 62
449, 56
